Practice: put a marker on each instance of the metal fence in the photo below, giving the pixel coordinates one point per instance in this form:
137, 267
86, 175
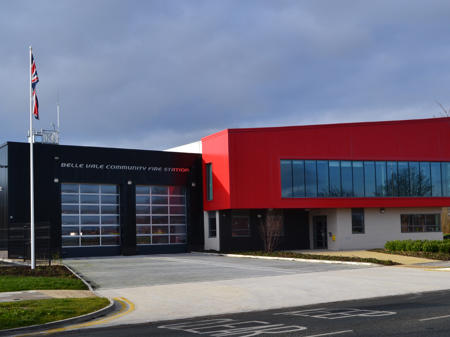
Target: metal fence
19, 242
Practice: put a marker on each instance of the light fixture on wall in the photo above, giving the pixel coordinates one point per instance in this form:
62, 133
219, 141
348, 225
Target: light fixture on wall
382, 210
130, 182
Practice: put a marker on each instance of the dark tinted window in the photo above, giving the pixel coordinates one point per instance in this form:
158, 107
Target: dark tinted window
347, 178
357, 220
369, 178
335, 178
424, 179
298, 175
209, 182
391, 185
311, 178
446, 179
380, 177
286, 178
358, 179
322, 178
414, 178
436, 180
403, 179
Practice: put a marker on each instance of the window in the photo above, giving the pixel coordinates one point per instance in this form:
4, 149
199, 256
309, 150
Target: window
380, 177
90, 215
209, 182
298, 176
311, 178
445, 167
212, 225
286, 178
436, 180
160, 215
322, 178
413, 223
403, 179
347, 178
392, 179
357, 220
335, 178
358, 179
240, 225
369, 178
424, 179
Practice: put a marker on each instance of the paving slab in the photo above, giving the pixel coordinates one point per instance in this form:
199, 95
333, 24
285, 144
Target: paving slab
406, 260
189, 285
43, 294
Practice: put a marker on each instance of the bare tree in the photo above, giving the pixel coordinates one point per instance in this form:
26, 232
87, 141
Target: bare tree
271, 229
445, 112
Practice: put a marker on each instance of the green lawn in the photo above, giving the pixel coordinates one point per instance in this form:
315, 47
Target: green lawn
25, 313
16, 278
17, 283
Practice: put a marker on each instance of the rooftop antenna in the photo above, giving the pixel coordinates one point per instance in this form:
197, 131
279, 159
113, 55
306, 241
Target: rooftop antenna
49, 136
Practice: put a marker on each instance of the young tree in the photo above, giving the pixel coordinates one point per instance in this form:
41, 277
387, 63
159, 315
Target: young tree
271, 229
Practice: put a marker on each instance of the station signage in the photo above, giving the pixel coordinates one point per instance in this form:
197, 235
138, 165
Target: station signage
123, 167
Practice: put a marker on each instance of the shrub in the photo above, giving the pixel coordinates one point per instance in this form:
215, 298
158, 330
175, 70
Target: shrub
428, 246
417, 246
431, 246
444, 247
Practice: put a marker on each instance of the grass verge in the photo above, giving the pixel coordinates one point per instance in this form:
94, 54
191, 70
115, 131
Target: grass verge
19, 278
425, 255
318, 257
26, 313
18, 283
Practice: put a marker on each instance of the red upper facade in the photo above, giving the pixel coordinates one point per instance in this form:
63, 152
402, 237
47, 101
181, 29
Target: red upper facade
246, 162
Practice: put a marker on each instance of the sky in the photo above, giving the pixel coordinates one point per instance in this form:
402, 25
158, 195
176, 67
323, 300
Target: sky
151, 74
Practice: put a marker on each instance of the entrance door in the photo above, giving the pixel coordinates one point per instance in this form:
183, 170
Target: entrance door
320, 232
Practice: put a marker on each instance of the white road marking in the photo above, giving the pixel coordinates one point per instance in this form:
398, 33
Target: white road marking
337, 313
230, 327
431, 318
331, 333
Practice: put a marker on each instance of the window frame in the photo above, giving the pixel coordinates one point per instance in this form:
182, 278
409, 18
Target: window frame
212, 216
242, 216
358, 212
209, 182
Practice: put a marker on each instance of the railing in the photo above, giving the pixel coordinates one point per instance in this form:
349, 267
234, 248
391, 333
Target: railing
19, 242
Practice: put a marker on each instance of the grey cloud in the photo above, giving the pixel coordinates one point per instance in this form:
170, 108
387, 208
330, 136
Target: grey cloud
156, 74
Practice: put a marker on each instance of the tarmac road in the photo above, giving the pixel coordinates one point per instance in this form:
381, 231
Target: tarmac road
423, 314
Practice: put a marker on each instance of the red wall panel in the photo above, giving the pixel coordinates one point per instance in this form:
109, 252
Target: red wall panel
215, 151
254, 159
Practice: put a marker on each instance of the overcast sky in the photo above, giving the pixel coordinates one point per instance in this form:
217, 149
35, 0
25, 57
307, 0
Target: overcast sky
155, 74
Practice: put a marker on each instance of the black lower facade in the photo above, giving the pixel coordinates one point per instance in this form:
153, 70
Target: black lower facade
92, 201
253, 229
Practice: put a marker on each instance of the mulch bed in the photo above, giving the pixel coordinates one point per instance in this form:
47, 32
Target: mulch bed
49, 271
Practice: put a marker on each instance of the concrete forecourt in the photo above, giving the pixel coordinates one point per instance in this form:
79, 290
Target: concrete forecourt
182, 286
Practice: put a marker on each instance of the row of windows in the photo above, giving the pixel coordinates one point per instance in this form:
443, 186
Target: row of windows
410, 223
90, 215
336, 178
160, 215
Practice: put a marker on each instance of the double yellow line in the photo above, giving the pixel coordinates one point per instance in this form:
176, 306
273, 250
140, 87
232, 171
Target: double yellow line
126, 307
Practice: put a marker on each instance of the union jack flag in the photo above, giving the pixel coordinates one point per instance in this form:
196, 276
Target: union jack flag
34, 81
35, 105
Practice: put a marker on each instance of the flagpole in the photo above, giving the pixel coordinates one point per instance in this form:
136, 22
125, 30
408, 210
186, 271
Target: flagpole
33, 258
